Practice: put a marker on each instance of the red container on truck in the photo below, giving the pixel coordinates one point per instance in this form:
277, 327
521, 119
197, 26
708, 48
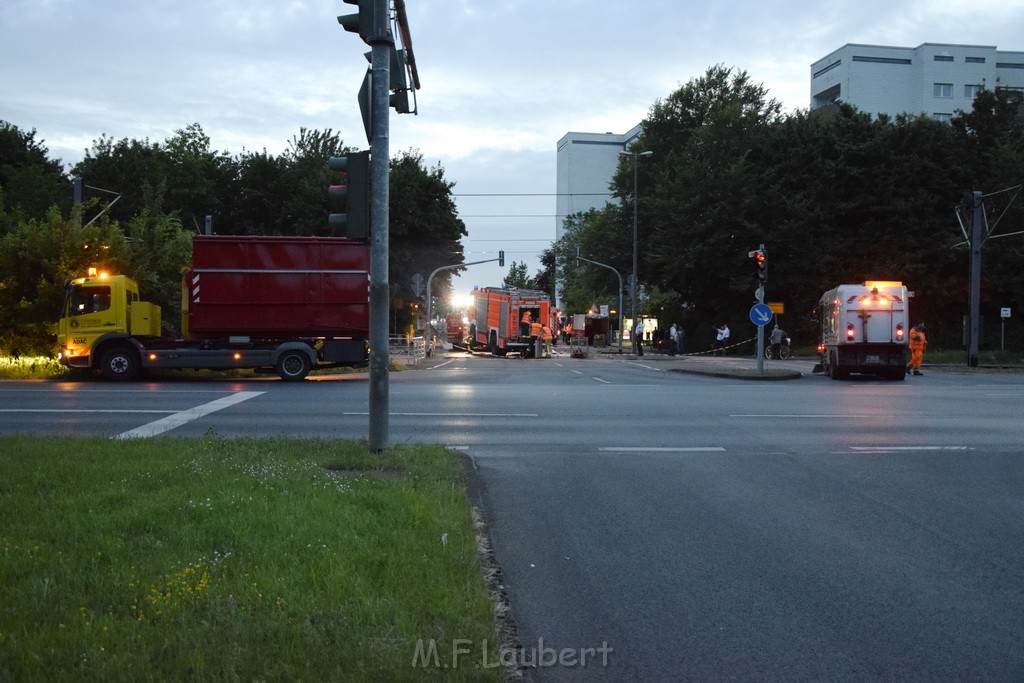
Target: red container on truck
284, 304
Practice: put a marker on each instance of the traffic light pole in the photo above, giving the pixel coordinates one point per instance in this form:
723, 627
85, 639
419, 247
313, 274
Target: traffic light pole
760, 328
381, 42
618, 275
430, 331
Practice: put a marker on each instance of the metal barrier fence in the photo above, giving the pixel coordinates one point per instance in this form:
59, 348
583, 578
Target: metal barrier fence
408, 350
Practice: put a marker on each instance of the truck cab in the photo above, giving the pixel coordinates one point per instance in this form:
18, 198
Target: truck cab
99, 310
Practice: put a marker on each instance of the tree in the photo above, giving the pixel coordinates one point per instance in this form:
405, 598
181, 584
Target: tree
425, 228
36, 257
544, 280
697, 206
517, 277
30, 182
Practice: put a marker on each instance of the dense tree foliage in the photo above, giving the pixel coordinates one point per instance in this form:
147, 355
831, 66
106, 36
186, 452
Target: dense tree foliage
144, 200
834, 195
517, 277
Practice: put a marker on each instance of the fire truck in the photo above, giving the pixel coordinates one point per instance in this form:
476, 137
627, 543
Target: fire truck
864, 329
500, 314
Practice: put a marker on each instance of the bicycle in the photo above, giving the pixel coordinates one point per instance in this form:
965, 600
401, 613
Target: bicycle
784, 350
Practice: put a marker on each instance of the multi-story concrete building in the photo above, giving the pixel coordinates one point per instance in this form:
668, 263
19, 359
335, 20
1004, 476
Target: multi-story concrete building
935, 79
585, 165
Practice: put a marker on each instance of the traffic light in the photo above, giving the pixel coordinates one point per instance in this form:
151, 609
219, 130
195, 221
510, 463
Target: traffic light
501, 259
361, 23
761, 258
355, 194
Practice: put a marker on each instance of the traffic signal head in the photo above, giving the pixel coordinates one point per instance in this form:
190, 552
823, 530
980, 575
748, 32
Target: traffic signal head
501, 259
761, 259
362, 22
353, 194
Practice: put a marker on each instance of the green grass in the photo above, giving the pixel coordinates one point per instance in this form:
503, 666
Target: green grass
41, 367
36, 367
225, 559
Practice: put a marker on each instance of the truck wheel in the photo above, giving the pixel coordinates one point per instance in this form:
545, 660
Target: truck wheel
119, 364
293, 366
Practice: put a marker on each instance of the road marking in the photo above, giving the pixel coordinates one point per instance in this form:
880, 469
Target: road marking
665, 449
452, 414
601, 380
805, 415
177, 419
82, 410
885, 449
441, 365
646, 367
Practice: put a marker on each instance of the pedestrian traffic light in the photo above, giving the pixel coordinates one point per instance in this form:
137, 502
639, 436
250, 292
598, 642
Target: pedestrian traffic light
362, 22
761, 259
354, 194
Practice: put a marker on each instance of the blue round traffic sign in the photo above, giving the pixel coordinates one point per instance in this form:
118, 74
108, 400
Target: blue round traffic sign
761, 314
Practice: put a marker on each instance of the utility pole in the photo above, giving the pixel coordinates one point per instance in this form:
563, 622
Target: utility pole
633, 283
974, 287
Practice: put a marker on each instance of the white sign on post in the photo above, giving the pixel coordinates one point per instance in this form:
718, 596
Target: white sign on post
1004, 312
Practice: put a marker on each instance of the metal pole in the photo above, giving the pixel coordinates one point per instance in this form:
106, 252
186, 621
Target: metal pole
379, 400
429, 330
632, 293
974, 293
760, 328
618, 275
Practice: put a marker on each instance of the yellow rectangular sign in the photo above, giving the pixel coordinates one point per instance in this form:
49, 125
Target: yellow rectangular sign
777, 307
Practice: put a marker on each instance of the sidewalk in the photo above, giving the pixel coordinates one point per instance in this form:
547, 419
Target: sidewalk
738, 367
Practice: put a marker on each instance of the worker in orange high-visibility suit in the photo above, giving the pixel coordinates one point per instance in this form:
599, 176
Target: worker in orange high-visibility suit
536, 333
524, 324
548, 338
918, 342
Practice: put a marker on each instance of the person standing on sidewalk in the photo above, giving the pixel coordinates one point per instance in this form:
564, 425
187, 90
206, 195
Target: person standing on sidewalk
638, 337
918, 342
723, 338
673, 340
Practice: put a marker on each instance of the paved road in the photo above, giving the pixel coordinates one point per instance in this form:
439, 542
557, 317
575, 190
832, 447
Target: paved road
701, 527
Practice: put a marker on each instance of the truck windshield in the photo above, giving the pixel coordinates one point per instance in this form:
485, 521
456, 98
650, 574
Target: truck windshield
87, 299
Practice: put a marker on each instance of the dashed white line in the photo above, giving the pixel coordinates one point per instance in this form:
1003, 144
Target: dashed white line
665, 449
880, 449
185, 416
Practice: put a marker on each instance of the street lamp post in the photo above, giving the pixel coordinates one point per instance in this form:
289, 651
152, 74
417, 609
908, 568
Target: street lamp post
633, 283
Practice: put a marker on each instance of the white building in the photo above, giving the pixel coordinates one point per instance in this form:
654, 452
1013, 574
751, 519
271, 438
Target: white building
585, 165
933, 78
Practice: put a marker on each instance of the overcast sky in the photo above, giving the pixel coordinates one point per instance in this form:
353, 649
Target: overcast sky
502, 80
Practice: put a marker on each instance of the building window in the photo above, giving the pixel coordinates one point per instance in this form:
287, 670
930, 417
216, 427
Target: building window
1005, 65
945, 118
942, 90
827, 68
974, 60
880, 60
943, 58
971, 91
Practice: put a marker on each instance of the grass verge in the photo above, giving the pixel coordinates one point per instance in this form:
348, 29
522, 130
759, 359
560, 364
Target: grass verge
238, 559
